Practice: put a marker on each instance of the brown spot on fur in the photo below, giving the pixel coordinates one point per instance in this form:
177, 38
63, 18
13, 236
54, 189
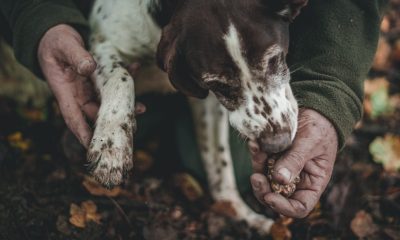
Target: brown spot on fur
224, 163
103, 147
256, 100
248, 113
221, 148
256, 110
264, 114
110, 143
267, 109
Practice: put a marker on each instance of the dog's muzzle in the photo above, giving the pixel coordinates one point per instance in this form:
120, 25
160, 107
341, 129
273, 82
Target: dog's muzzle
275, 142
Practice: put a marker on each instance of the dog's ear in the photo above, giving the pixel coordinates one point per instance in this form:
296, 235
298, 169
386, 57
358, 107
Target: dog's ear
288, 9
176, 65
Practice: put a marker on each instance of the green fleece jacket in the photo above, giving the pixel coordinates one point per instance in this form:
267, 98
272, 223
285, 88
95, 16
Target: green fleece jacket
332, 44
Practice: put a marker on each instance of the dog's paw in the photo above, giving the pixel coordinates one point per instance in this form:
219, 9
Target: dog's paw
110, 153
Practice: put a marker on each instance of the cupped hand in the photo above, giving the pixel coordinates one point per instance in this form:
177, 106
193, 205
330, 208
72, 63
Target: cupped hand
311, 156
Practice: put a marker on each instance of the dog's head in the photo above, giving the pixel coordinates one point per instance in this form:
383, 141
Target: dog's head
236, 49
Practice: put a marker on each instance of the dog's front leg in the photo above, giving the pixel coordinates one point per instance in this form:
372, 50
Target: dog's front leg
110, 151
212, 129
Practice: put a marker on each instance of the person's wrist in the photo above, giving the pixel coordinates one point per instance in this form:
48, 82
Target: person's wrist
313, 117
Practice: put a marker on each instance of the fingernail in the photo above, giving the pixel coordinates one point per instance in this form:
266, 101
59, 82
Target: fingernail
257, 186
83, 66
285, 173
268, 202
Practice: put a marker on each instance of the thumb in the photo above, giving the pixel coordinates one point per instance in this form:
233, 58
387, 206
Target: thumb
290, 165
79, 58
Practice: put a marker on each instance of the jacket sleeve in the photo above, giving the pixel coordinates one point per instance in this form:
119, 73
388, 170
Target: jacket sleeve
332, 48
30, 19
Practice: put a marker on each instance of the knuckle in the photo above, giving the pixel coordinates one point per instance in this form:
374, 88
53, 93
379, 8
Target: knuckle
296, 159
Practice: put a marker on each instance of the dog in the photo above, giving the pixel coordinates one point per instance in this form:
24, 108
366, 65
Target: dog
227, 56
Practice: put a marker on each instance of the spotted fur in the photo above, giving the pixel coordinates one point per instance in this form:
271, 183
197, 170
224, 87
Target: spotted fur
233, 49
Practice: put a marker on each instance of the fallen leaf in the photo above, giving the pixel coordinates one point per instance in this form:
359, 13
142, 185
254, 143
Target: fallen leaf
80, 215
380, 103
189, 186
377, 101
382, 56
143, 160
280, 229
16, 140
385, 25
386, 151
34, 115
363, 225
91, 211
94, 188
224, 208
373, 85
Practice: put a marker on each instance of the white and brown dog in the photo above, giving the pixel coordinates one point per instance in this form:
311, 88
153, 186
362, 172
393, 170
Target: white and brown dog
233, 49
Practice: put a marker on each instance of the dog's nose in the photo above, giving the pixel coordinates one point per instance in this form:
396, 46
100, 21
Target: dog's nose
275, 142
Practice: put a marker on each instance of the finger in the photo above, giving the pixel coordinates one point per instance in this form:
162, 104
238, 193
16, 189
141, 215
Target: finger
75, 120
258, 162
91, 109
260, 186
289, 166
78, 58
298, 206
253, 146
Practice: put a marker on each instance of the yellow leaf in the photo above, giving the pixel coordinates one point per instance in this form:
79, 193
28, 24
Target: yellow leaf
17, 141
89, 206
80, 215
386, 150
143, 160
363, 225
189, 186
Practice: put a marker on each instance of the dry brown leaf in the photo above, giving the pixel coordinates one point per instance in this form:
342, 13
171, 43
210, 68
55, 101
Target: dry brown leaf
280, 229
94, 188
363, 225
385, 25
224, 208
80, 215
143, 160
382, 56
373, 85
189, 186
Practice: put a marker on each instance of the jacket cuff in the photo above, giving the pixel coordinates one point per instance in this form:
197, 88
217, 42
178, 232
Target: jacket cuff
337, 103
34, 23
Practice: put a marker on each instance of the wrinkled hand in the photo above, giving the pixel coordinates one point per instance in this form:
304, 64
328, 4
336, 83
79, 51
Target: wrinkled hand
311, 156
67, 66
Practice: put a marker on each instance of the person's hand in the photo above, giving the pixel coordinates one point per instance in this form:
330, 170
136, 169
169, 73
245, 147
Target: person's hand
312, 156
67, 66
